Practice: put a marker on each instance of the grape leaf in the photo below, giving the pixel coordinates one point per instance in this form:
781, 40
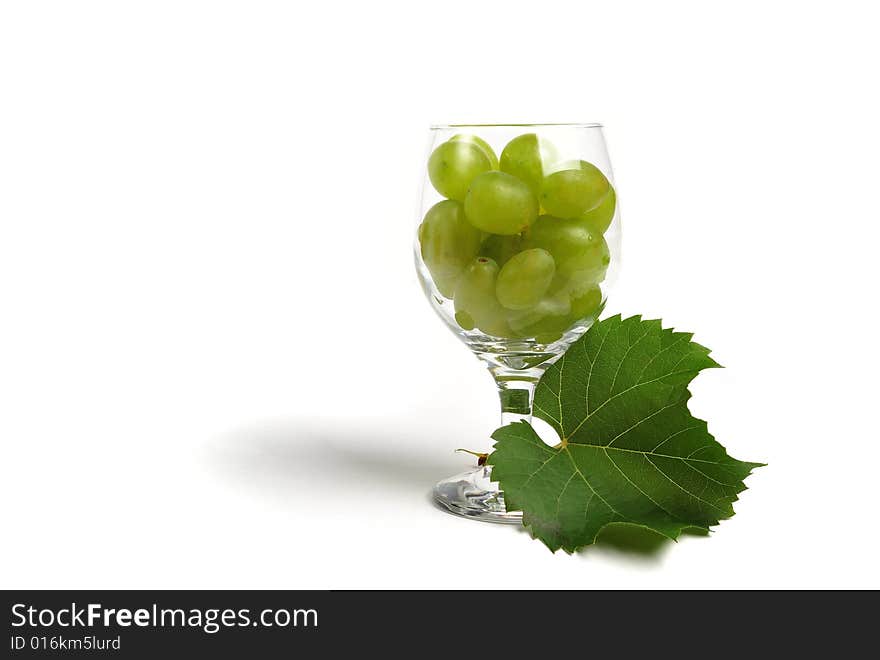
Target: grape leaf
630, 450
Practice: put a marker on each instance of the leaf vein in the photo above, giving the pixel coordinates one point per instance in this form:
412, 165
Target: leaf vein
642, 421
655, 502
587, 481
682, 488
668, 438
623, 359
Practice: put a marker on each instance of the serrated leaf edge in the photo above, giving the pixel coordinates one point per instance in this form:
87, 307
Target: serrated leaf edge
673, 537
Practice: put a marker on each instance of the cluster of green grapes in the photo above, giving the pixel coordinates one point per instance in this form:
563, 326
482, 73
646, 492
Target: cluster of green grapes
518, 242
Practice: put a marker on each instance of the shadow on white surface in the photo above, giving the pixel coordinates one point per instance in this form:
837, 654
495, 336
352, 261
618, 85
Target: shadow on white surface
288, 456
631, 544
322, 468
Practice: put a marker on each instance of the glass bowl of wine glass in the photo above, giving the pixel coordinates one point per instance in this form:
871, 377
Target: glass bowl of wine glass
517, 242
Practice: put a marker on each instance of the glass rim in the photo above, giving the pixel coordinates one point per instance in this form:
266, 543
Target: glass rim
438, 127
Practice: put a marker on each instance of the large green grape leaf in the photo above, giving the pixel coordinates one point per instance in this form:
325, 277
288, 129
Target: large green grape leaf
630, 450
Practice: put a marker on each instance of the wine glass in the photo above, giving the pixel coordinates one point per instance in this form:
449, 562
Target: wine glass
517, 242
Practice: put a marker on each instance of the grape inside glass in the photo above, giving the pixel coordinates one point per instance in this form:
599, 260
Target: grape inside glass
517, 243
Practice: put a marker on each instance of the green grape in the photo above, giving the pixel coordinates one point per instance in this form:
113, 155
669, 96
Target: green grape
465, 320
556, 313
500, 204
586, 305
480, 142
550, 316
525, 157
525, 279
501, 248
581, 255
448, 244
454, 164
572, 189
475, 301
599, 219
588, 271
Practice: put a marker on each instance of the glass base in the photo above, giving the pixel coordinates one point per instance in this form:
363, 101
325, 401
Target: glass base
474, 495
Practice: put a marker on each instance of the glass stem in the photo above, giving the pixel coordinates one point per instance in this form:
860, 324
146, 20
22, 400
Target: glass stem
516, 390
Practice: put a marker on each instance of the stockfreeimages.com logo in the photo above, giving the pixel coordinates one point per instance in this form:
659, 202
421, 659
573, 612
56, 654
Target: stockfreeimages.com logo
209, 620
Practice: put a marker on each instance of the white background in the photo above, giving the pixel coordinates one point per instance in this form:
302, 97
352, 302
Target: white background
217, 368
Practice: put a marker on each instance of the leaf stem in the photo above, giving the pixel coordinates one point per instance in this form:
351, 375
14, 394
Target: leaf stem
481, 456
